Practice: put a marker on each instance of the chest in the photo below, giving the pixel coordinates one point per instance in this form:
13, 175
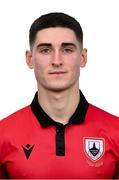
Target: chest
73, 153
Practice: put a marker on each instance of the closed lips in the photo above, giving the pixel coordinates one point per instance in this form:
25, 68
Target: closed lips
57, 72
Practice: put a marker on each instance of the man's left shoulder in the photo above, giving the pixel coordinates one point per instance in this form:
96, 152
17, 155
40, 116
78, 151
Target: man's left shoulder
101, 113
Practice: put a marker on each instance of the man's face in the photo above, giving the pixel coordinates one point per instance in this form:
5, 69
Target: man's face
56, 58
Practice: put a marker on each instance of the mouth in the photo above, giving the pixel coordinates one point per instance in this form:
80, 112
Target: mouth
57, 73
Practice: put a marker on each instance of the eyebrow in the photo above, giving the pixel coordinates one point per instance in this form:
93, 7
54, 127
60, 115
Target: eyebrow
69, 44
64, 44
44, 44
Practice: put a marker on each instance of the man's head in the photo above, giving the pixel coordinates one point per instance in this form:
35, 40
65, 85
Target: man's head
55, 20
56, 51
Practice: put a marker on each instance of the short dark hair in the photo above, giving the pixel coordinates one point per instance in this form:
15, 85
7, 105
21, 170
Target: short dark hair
56, 19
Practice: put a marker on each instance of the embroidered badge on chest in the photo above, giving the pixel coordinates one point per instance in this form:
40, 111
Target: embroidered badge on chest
94, 148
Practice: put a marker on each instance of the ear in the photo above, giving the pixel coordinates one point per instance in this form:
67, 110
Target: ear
29, 60
83, 58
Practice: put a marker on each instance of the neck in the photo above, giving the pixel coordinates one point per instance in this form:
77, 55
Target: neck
59, 105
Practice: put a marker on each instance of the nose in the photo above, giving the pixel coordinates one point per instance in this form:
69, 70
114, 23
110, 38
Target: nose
57, 59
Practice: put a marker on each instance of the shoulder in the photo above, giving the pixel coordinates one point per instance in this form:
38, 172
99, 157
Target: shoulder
15, 126
105, 124
96, 111
102, 118
15, 118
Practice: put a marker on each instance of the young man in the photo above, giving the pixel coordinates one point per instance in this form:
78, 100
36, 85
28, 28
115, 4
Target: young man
60, 135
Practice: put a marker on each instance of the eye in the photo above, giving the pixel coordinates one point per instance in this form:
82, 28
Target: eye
68, 50
45, 50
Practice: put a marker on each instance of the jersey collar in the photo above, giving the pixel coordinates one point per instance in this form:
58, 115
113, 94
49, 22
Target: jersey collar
77, 118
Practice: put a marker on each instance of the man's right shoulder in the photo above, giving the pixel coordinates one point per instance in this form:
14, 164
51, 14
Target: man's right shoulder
19, 115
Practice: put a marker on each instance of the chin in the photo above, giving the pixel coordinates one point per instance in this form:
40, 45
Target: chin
57, 88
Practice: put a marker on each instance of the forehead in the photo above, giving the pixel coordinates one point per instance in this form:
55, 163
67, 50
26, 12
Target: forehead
56, 35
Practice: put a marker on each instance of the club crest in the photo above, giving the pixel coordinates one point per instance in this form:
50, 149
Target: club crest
94, 148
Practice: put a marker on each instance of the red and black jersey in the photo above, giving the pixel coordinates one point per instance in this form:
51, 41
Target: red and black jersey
34, 146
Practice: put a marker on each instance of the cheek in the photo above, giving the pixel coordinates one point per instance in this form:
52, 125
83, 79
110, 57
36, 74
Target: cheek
76, 70
38, 68
74, 64
39, 64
